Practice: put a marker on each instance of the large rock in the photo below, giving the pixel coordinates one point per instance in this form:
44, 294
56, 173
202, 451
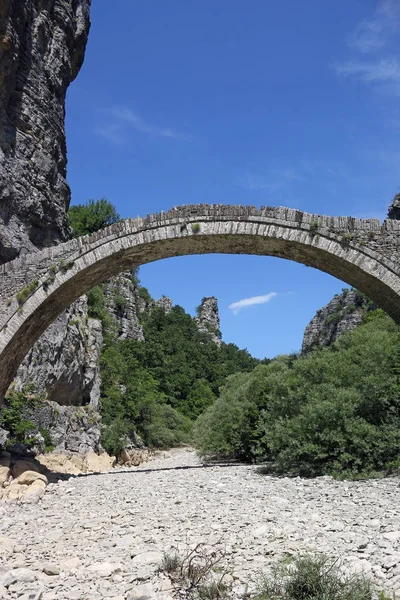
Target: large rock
64, 362
207, 319
4, 435
394, 208
343, 313
42, 46
124, 303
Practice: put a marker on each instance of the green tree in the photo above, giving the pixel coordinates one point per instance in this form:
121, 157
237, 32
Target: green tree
92, 216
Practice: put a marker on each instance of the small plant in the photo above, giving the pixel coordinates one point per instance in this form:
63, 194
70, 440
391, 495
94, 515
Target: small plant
313, 578
73, 322
24, 294
199, 575
346, 239
195, 228
314, 227
65, 265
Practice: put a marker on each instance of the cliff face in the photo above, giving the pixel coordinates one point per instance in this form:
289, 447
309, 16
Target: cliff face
64, 362
207, 319
343, 313
42, 46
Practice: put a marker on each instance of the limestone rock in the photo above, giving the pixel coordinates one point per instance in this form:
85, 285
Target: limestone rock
343, 313
98, 463
394, 208
4, 474
207, 319
64, 362
124, 303
4, 435
30, 477
18, 576
41, 52
165, 304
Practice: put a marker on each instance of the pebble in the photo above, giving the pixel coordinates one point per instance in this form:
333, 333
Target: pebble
104, 536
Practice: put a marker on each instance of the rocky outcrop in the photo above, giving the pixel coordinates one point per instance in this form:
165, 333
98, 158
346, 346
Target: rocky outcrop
64, 362
207, 319
394, 208
42, 46
124, 303
343, 313
165, 304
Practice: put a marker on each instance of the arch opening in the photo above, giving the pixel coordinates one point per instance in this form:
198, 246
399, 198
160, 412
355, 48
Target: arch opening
92, 260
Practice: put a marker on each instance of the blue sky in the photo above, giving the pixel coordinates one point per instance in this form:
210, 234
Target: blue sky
265, 103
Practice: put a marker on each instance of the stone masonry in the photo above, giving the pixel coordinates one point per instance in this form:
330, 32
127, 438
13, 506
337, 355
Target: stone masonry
37, 287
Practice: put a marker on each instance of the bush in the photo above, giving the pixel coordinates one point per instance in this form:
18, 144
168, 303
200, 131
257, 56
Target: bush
92, 216
334, 411
15, 415
313, 578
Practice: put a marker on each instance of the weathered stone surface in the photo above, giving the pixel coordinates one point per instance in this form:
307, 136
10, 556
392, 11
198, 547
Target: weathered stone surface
105, 536
362, 252
4, 435
123, 301
207, 319
165, 304
343, 313
64, 362
42, 45
394, 208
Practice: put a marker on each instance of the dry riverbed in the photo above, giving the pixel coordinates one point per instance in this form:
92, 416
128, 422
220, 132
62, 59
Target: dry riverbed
104, 536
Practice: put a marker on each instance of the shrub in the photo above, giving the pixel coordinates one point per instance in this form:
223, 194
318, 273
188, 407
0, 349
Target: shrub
15, 416
334, 411
196, 228
92, 216
313, 578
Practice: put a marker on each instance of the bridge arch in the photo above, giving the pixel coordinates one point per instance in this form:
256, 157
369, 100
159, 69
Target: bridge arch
36, 288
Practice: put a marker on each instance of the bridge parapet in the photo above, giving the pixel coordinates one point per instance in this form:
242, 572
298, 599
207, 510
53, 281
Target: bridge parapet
371, 234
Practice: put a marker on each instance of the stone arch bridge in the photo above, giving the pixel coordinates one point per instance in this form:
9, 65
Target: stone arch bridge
37, 287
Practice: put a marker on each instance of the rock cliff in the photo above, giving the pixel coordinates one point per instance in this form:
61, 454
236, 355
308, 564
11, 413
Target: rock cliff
343, 313
207, 319
64, 362
42, 46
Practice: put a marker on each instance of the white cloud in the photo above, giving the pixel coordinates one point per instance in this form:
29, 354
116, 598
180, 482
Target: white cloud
386, 70
112, 133
371, 35
235, 307
127, 115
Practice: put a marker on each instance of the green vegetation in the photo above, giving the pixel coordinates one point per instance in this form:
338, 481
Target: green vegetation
313, 578
24, 294
15, 416
199, 575
87, 218
196, 227
314, 225
333, 411
158, 388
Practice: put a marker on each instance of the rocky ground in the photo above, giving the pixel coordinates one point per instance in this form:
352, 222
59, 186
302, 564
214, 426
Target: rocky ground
103, 536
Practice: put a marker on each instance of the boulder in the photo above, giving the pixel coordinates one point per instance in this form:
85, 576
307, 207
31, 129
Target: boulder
98, 463
4, 474
30, 477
